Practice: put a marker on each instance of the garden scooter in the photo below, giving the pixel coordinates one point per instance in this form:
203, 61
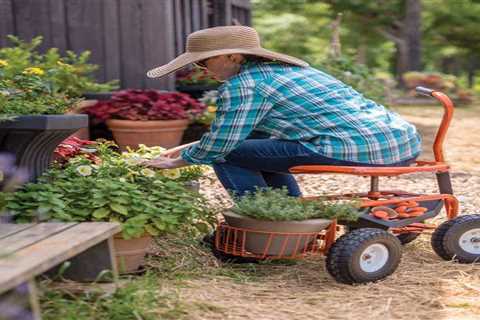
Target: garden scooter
370, 248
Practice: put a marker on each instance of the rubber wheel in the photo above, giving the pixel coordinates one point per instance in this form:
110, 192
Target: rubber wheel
209, 242
405, 238
364, 255
458, 239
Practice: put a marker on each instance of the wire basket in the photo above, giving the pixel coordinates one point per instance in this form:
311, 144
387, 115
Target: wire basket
272, 245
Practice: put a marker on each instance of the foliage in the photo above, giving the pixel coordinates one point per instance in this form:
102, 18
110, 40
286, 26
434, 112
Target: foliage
209, 98
359, 76
113, 187
70, 75
29, 93
195, 76
277, 205
146, 105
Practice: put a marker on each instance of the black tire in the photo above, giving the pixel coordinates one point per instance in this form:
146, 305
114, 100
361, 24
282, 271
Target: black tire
343, 258
405, 238
446, 239
209, 242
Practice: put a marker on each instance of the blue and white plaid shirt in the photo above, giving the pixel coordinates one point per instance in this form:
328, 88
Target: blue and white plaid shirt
305, 105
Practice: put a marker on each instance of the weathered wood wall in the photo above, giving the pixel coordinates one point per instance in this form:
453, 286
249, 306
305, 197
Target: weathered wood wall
126, 37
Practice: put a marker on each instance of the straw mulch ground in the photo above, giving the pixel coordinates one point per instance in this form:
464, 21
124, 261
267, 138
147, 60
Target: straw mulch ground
424, 286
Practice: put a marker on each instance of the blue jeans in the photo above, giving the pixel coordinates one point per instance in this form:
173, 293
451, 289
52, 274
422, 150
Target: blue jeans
260, 163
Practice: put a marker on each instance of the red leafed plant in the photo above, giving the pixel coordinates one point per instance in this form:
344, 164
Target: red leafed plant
135, 104
72, 147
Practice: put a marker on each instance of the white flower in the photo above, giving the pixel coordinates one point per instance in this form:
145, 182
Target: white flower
133, 161
122, 179
84, 170
171, 173
149, 173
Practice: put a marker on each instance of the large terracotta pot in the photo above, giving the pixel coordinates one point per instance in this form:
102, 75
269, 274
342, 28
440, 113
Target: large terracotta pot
164, 133
257, 242
130, 254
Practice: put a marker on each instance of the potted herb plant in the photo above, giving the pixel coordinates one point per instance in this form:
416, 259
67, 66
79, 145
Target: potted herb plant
149, 117
273, 210
93, 182
195, 81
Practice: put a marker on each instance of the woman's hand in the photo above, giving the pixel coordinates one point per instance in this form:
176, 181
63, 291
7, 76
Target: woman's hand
166, 163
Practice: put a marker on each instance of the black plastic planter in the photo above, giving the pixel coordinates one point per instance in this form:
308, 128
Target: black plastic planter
196, 91
32, 139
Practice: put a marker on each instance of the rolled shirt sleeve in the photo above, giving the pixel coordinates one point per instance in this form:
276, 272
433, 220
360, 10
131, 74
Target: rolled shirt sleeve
239, 111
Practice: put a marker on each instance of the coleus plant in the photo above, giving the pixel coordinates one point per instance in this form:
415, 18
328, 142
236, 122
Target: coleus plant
144, 105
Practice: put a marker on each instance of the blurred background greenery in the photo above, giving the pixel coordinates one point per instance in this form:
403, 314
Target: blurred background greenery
400, 42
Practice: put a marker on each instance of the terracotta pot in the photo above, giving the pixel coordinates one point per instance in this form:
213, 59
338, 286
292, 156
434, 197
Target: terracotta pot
83, 133
130, 254
257, 242
164, 133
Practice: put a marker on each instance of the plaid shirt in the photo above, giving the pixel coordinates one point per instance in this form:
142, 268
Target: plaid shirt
306, 105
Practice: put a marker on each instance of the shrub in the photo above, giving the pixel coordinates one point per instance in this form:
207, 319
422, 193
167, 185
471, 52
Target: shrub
277, 205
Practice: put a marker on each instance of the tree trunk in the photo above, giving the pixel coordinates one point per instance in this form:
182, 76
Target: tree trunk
413, 34
402, 60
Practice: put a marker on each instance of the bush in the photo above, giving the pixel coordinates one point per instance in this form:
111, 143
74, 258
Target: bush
99, 184
277, 205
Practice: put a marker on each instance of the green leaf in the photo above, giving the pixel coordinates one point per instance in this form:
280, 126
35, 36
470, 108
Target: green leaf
119, 208
101, 213
152, 230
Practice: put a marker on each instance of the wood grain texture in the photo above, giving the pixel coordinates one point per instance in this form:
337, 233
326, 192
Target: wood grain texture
47, 253
7, 23
7, 229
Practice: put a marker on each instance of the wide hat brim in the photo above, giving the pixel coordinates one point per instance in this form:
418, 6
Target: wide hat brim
191, 57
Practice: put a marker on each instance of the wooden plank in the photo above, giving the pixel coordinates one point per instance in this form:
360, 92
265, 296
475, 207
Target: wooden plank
187, 20
158, 39
85, 30
7, 24
245, 4
204, 13
111, 40
32, 18
45, 254
7, 229
196, 15
228, 12
131, 35
58, 25
30, 236
178, 22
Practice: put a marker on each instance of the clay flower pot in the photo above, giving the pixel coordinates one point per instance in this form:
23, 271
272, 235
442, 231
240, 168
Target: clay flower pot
130, 254
256, 242
164, 133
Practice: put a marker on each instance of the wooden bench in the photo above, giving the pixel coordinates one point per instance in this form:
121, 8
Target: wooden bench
28, 250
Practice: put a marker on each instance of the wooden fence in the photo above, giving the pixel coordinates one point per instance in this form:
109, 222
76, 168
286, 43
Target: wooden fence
126, 37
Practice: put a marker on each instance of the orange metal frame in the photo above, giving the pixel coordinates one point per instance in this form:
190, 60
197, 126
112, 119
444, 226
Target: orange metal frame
234, 243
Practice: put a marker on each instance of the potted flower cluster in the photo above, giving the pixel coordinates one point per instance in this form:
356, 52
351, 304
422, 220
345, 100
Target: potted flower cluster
37, 93
93, 182
195, 81
201, 123
273, 210
149, 117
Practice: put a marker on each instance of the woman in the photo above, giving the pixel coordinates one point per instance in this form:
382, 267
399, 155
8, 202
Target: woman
275, 112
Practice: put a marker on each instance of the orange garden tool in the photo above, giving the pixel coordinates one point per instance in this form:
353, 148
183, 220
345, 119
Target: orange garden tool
370, 248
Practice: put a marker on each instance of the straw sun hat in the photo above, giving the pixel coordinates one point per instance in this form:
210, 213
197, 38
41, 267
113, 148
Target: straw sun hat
217, 41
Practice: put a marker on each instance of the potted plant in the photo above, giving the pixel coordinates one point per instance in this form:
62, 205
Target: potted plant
195, 81
149, 117
269, 211
201, 123
92, 182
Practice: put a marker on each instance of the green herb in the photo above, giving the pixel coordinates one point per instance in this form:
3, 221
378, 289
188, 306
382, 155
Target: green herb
277, 205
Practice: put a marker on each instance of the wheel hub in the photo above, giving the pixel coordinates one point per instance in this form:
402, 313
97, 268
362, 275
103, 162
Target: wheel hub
374, 257
470, 241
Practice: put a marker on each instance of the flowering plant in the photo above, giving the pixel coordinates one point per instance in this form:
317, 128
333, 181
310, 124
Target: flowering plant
195, 76
115, 189
146, 105
33, 83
